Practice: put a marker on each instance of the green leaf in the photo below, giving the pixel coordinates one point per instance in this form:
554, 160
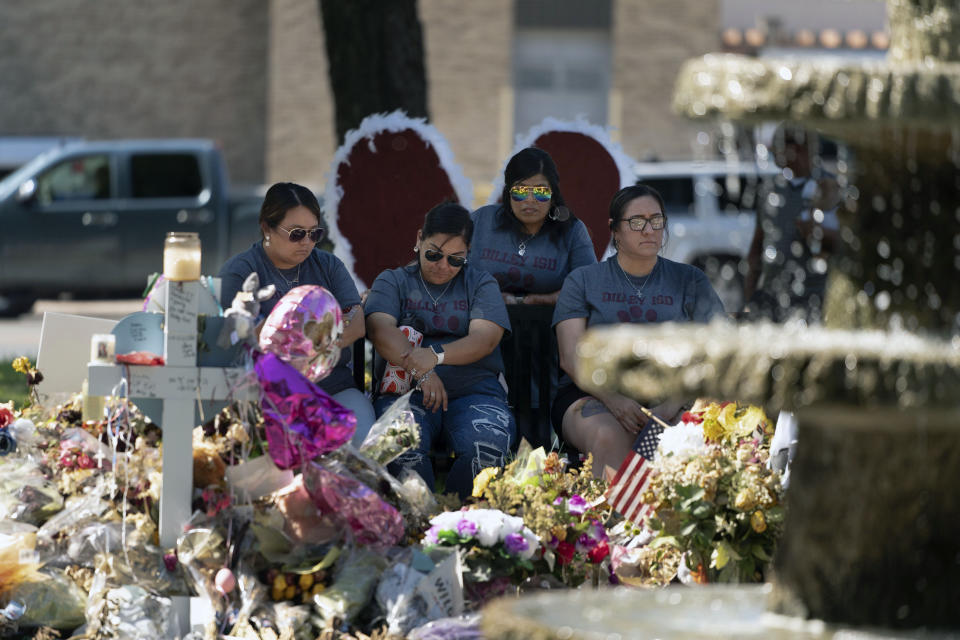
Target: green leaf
774, 515
690, 492
759, 553
702, 510
747, 568
721, 558
689, 529
449, 536
727, 574
661, 541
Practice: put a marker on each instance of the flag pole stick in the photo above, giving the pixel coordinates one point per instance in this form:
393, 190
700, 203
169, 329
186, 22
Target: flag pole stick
650, 415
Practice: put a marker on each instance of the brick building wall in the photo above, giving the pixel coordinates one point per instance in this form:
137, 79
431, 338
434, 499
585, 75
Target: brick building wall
300, 131
253, 75
468, 49
120, 69
651, 41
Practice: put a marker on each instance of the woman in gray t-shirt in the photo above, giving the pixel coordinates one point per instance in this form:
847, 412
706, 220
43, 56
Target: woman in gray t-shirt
287, 257
530, 241
634, 285
459, 311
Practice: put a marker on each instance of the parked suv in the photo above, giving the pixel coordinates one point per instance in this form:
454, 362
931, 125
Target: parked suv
711, 207
89, 218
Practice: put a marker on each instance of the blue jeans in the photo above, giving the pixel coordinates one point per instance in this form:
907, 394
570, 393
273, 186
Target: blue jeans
479, 428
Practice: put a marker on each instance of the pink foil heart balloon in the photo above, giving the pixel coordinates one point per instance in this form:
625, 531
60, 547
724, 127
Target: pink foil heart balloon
303, 329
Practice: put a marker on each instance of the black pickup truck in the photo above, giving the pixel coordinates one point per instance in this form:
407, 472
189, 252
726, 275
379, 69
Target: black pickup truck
89, 219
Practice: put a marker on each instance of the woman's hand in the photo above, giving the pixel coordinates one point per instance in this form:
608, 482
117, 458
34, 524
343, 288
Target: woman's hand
510, 298
421, 360
434, 393
626, 411
669, 412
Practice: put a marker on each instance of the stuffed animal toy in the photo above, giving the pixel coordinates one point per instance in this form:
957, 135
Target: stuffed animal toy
241, 317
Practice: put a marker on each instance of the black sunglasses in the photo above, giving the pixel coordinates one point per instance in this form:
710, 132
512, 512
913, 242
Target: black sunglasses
453, 261
296, 235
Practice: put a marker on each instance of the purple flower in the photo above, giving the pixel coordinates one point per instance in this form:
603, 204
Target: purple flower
558, 501
466, 528
599, 532
430, 537
515, 543
576, 505
585, 542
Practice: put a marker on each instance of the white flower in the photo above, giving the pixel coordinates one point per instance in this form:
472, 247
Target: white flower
493, 526
447, 521
682, 441
533, 544
511, 524
490, 524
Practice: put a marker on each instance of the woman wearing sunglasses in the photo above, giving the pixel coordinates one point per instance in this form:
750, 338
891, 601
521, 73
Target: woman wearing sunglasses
633, 285
459, 311
530, 241
287, 257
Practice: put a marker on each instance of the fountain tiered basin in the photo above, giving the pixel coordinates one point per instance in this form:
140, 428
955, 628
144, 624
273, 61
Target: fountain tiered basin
872, 536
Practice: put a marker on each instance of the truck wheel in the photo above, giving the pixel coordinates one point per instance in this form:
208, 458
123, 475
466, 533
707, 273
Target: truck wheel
15, 304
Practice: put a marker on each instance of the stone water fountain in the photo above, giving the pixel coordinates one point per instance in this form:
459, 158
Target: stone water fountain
872, 539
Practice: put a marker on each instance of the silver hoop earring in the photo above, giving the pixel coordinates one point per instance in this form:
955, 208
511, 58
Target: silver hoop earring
416, 248
266, 241
559, 214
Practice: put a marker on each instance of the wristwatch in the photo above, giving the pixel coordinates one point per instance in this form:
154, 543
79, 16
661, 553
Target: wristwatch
438, 351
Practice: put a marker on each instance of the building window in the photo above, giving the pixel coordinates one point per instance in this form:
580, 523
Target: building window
561, 61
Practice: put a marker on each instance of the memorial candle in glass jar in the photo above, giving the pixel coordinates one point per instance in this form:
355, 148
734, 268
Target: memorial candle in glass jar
181, 256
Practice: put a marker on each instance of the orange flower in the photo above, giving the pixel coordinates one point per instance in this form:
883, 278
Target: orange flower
700, 575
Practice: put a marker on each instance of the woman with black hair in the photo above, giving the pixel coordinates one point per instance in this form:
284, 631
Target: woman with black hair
530, 241
634, 285
287, 257
458, 364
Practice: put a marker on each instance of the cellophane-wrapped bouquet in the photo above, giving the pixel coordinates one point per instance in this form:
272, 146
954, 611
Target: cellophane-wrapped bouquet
565, 508
715, 499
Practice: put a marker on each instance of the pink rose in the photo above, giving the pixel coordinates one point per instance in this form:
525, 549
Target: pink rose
6, 417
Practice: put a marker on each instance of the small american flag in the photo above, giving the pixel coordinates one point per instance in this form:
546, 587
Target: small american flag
634, 476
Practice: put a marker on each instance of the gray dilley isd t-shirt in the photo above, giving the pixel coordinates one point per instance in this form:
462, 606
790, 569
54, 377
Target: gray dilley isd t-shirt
545, 262
473, 294
674, 292
320, 268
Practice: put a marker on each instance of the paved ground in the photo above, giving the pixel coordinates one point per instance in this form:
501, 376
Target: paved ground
21, 336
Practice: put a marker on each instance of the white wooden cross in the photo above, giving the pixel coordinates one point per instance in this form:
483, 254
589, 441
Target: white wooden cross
178, 383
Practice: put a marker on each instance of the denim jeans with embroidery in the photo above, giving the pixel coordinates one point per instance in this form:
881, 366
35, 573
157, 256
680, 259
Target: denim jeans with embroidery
478, 427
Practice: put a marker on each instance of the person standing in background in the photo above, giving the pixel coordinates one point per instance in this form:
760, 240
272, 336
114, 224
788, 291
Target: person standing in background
795, 233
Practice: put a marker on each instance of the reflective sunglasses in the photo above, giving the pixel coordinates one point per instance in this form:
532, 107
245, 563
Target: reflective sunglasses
639, 223
453, 261
519, 193
296, 235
